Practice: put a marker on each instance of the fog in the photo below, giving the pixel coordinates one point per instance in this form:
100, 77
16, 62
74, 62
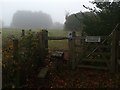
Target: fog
55, 8
28, 19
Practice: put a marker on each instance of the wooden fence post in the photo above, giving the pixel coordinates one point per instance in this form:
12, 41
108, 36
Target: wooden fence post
71, 42
42, 44
15, 58
114, 52
45, 39
23, 33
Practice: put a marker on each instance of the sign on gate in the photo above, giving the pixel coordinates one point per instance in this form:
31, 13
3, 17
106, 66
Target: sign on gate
92, 39
70, 35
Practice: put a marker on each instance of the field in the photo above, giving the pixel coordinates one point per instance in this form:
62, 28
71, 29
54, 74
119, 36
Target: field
53, 44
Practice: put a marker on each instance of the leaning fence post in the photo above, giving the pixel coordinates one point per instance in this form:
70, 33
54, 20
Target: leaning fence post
71, 42
15, 58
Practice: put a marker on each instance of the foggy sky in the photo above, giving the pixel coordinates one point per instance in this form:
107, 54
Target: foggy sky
55, 8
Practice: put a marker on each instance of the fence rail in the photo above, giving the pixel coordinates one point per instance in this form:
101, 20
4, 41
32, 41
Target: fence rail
57, 38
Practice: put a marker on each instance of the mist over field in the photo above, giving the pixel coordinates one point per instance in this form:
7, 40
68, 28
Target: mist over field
39, 14
28, 19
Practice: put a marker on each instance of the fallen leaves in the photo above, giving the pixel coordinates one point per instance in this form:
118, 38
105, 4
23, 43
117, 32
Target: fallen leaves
79, 78
83, 78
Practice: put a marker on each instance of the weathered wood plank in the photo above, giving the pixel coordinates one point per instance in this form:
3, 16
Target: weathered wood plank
95, 53
101, 46
95, 60
99, 53
57, 38
58, 54
43, 73
92, 67
71, 44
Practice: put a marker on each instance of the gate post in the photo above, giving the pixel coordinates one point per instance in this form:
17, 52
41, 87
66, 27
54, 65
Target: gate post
42, 45
71, 42
113, 61
45, 40
45, 34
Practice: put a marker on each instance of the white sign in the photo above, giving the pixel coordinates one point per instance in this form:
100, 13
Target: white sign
70, 35
92, 39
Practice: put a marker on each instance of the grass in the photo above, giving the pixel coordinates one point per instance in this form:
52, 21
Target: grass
57, 33
53, 44
58, 44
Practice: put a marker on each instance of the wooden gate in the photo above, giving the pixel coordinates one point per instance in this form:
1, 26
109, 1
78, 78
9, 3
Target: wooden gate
96, 52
